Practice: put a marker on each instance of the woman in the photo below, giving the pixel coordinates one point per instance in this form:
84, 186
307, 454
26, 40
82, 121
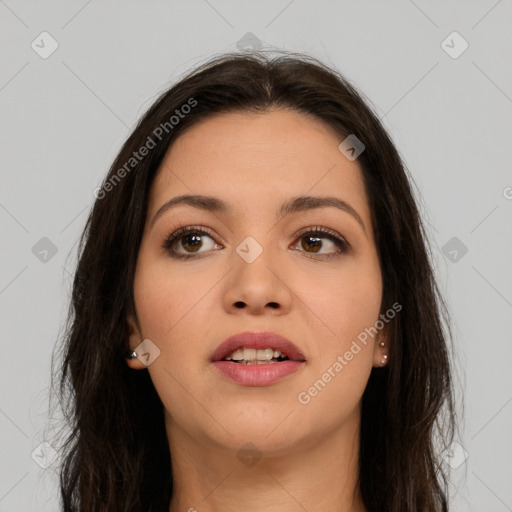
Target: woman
255, 323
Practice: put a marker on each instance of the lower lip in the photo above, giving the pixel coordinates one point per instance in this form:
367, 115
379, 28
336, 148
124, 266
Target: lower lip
257, 374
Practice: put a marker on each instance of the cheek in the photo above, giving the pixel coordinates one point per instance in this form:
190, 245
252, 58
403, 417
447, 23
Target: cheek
170, 308
167, 299
342, 359
346, 303
343, 302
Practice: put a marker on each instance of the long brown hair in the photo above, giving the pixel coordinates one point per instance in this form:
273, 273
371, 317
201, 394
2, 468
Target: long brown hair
116, 455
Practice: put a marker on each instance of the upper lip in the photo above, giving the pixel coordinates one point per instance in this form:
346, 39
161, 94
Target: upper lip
257, 340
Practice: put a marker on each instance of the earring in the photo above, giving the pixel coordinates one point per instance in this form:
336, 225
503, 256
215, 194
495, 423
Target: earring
381, 343
131, 354
383, 362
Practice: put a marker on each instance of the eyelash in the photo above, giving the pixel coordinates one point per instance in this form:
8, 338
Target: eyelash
180, 233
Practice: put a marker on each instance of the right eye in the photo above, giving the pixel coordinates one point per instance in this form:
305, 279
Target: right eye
188, 238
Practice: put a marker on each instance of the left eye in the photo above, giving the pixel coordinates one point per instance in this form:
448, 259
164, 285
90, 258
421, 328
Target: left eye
312, 240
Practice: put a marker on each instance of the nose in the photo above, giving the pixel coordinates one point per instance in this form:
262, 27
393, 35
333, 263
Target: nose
259, 285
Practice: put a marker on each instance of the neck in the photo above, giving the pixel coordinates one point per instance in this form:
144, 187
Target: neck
318, 474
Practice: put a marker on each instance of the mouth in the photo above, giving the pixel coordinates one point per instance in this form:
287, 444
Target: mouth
257, 359
257, 348
256, 356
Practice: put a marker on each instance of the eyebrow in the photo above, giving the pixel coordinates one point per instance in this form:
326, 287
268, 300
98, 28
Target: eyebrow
294, 205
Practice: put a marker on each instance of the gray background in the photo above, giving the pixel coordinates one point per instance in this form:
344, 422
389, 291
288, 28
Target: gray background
64, 118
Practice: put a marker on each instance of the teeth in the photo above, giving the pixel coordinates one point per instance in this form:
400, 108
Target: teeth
272, 361
237, 355
261, 355
250, 354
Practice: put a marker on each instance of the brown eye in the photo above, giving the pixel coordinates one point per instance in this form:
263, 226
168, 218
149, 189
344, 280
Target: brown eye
189, 239
313, 242
192, 241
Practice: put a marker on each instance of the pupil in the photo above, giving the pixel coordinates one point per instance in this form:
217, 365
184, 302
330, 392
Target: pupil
197, 242
316, 243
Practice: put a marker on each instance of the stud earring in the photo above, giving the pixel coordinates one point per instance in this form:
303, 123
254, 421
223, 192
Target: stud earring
383, 362
381, 343
131, 354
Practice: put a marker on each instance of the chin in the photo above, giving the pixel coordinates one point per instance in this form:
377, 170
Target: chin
275, 431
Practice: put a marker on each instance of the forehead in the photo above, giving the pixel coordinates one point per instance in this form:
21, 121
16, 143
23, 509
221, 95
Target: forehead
259, 157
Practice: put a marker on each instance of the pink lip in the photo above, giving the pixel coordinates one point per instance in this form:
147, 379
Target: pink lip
257, 374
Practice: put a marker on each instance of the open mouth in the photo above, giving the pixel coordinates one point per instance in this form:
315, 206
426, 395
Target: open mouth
257, 359
248, 356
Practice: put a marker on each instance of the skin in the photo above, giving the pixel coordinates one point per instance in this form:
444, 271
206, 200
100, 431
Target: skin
188, 307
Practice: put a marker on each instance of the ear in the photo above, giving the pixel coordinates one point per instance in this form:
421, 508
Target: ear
381, 347
135, 339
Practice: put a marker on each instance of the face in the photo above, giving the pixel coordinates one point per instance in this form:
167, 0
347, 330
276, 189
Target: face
248, 268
